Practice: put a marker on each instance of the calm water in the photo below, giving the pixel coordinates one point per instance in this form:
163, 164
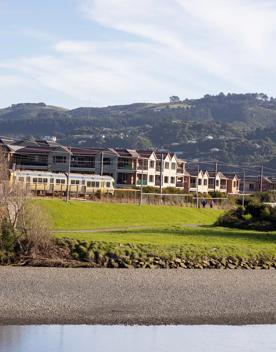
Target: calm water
138, 338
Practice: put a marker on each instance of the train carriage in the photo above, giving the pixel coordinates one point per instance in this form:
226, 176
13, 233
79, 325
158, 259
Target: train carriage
49, 183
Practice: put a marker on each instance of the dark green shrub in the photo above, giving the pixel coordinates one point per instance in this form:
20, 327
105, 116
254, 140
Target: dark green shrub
7, 237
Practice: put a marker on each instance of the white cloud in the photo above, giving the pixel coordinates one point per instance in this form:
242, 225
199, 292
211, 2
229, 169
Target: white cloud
179, 47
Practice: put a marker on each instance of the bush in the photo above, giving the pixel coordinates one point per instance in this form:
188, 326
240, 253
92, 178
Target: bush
7, 237
255, 216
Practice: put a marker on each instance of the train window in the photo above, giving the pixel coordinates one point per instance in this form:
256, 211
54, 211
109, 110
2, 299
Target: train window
21, 179
28, 179
34, 180
108, 184
45, 180
75, 182
40, 180
83, 182
51, 180
62, 182
97, 184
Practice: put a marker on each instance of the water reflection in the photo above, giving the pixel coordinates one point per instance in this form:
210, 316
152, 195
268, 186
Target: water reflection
97, 338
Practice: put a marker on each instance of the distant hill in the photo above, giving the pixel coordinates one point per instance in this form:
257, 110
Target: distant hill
238, 128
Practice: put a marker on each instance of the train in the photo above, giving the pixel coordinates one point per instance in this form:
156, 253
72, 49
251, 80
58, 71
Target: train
49, 183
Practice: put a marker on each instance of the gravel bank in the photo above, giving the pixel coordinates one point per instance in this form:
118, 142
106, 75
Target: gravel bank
108, 296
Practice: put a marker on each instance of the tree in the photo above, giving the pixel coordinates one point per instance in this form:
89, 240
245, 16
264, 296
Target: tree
174, 99
24, 227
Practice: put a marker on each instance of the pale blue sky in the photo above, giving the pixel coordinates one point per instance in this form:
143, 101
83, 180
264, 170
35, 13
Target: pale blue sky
101, 52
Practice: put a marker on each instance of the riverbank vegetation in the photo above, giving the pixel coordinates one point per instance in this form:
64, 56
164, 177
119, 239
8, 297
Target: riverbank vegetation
24, 228
88, 234
191, 247
254, 214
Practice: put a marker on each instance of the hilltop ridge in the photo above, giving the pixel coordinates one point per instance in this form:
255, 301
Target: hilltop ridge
232, 128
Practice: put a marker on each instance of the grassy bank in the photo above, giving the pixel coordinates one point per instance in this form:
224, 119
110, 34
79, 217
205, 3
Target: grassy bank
164, 240
191, 242
88, 215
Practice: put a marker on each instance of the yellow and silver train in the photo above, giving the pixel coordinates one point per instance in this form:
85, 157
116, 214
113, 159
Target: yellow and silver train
49, 183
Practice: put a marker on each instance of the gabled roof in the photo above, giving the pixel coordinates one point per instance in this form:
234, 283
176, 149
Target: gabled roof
146, 153
214, 174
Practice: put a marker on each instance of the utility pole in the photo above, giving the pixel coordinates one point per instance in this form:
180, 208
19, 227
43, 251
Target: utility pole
102, 160
216, 171
68, 175
161, 174
262, 175
142, 182
197, 198
243, 190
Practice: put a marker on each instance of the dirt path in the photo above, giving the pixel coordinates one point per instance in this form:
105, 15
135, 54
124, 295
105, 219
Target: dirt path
118, 229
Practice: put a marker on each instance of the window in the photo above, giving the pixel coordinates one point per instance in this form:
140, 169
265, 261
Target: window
40, 180
51, 180
91, 184
60, 181
193, 182
172, 179
217, 183
59, 159
173, 166
75, 182
251, 186
108, 184
166, 179
21, 179
199, 181
83, 161
107, 161
205, 182
83, 182
152, 164
45, 180
28, 179
151, 178
167, 165
34, 180
97, 184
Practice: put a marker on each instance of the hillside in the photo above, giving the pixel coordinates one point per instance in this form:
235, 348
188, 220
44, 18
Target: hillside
232, 128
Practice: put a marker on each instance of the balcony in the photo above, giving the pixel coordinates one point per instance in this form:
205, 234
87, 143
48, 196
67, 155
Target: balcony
142, 183
127, 167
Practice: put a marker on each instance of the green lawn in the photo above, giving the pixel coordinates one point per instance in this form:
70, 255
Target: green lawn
80, 215
201, 241
164, 229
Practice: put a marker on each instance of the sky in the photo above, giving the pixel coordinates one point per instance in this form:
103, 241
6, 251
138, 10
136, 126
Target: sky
74, 53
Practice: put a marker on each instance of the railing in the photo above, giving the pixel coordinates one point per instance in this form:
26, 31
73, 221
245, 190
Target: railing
126, 167
142, 183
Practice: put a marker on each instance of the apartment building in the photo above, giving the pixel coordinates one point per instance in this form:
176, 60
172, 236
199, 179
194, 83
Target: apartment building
203, 181
129, 168
256, 184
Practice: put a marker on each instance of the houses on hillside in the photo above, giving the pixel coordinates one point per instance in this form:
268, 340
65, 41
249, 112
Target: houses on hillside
129, 168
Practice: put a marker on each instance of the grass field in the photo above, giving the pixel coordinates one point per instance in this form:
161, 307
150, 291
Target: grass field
165, 229
199, 241
88, 215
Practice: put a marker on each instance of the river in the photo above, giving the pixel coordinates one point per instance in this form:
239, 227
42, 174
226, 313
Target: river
99, 338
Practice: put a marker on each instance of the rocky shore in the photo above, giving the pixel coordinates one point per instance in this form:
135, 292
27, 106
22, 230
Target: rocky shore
80, 253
